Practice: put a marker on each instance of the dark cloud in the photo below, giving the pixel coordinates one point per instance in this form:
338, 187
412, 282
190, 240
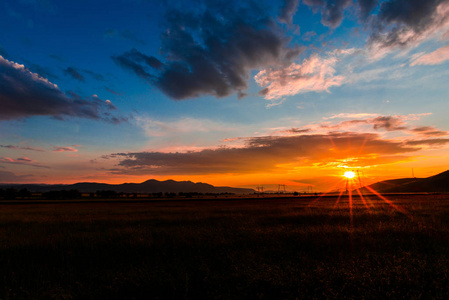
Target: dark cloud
25, 94
133, 59
10, 177
366, 6
112, 91
331, 10
94, 75
264, 153
42, 71
295, 130
428, 142
389, 123
21, 148
126, 34
400, 23
428, 131
212, 51
127, 61
288, 10
74, 73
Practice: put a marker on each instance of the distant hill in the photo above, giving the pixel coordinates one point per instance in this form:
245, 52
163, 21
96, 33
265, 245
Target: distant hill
436, 183
149, 186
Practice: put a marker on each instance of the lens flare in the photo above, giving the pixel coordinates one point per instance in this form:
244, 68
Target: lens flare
349, 174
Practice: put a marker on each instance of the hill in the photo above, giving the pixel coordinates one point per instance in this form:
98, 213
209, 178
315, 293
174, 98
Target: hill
149, 186
434, 184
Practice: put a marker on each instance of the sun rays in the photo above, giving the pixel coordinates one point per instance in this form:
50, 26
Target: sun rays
356, 198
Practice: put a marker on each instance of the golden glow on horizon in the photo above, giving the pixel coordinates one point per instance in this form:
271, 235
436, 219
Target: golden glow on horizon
349, 174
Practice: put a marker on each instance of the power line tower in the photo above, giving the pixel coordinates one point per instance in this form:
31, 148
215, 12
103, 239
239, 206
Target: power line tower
281, 188
259, 189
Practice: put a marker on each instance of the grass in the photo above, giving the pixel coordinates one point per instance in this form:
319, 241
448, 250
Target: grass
286, 248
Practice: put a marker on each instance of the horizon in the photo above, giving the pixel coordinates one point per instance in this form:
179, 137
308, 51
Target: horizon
243, 95
269, 189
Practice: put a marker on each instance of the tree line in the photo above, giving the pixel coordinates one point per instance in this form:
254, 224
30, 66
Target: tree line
25, 194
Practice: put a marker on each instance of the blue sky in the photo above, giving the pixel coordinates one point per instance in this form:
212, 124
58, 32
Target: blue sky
222, 92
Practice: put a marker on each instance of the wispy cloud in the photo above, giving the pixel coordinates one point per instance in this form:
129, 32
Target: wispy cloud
22, 161
158, 128
351, 116
387, 123
21, 148
428, 131
436, 57
74, 73
401, 24
315, 74
65, 149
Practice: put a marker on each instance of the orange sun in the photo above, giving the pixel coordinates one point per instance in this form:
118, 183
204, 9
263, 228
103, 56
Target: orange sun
349, 174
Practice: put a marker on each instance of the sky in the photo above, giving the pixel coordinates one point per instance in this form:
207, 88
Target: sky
231, 93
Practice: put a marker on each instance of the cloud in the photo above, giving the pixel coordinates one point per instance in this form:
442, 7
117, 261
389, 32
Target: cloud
366, 6
65, 149
25, 94
315, 74
21, 161
433, 58
211, 51
331, 10
388, 123
267, 153
74, 73
41, 70
21, 148
297, 130
182, 126
428, 142
94, 75
405, 23
428, 131
288, 10
351, 116
131, 61
10, 177
112, 91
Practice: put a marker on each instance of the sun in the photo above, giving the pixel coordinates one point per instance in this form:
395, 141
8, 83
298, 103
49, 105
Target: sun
349, 174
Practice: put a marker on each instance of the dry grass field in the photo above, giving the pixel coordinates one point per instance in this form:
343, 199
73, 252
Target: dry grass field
284, 248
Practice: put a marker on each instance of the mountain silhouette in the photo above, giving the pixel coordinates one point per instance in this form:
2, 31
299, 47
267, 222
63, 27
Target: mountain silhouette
149, 186
434, 184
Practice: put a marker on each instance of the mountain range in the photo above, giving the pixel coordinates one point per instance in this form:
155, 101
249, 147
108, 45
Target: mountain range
434, 184
149, 186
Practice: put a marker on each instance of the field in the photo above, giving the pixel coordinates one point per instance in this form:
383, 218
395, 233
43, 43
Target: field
279, 248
